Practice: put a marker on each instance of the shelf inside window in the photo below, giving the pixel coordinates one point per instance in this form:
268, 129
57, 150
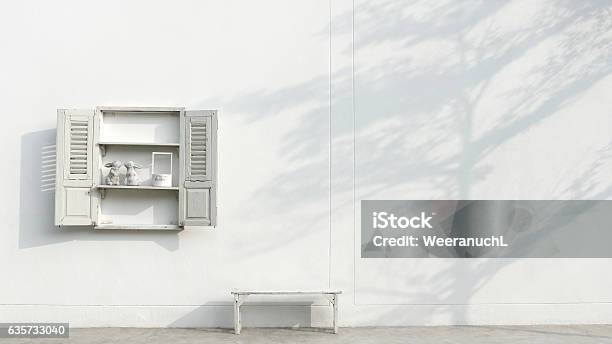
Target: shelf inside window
138, 187
140, 227
103, 145
158, 144
103, 188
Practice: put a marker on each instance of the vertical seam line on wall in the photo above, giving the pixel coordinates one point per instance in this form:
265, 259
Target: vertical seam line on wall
329, 282
354, 152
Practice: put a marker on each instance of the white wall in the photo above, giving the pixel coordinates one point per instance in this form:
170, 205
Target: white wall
452, 99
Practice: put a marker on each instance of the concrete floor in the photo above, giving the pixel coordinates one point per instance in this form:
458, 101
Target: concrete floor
388, 335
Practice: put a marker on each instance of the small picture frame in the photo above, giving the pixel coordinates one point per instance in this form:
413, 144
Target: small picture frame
161, 169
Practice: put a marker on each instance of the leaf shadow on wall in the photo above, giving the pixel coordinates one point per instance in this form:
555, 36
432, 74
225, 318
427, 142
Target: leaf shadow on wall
37, 202
290, 206
418, 126
421, 128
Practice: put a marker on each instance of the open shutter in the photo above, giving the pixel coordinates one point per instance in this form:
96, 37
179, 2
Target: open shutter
197, 199
74, 167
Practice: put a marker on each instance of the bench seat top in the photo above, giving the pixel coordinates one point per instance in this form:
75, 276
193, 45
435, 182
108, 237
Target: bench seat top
285, 292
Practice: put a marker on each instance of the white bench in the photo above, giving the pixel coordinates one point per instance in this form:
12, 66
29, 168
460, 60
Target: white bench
241, 295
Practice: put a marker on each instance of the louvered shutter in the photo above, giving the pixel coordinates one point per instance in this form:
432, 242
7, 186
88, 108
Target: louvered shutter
78, 139
74, 167
198, 143
197, 195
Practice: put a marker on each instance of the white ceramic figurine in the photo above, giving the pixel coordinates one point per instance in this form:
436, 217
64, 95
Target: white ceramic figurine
113, 175
131, 176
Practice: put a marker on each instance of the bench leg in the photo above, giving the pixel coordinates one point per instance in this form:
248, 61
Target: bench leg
335, 303
237, 324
